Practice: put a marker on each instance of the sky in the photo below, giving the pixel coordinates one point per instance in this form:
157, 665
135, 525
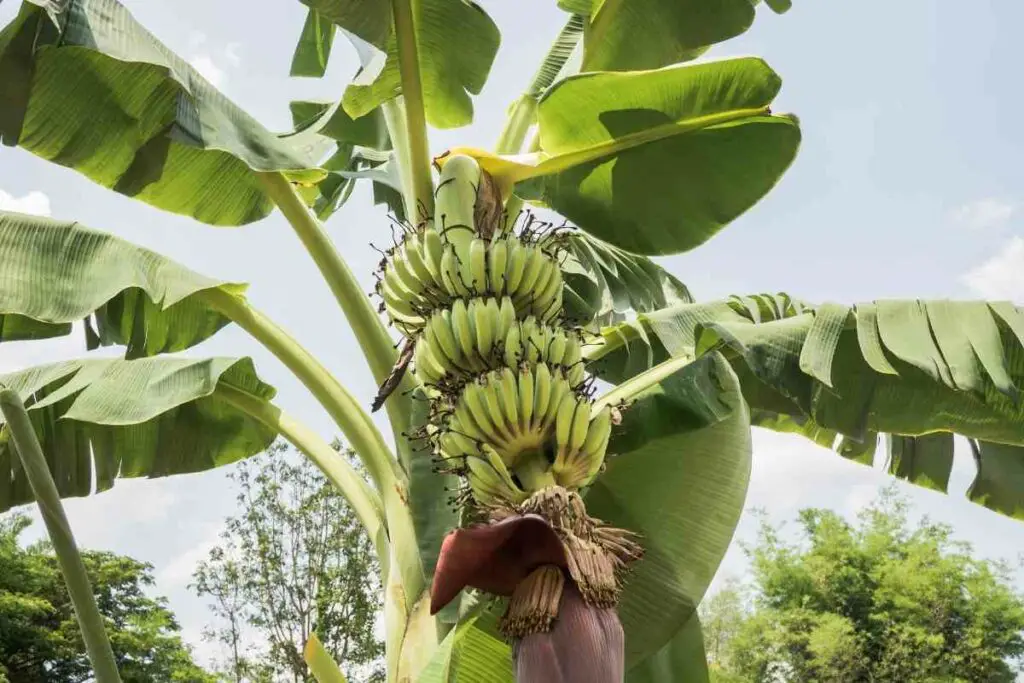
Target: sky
907, 185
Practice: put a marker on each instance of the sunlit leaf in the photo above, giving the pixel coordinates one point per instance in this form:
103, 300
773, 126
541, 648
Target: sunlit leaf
313, 50
86, 86
627, 35
654, 162
456, 41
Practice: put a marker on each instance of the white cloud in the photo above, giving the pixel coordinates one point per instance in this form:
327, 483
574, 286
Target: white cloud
206, 67
35, 203
213, 64
985, 214
232, 55
179, 570
23, 354
1002, 276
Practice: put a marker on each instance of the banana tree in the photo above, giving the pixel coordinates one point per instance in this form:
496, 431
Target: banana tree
530, 524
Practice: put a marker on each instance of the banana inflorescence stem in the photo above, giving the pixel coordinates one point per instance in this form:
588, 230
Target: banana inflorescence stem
534, 471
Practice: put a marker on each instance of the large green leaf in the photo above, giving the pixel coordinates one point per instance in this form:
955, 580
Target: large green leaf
677, 475
604, 283
86, 86
55, 273
151, 417
361, 149
313, 50
655, 162
368, 20
456, 41
627, 35
430, 490
681, 143
999, 483
683, 659
912, 369
471, 652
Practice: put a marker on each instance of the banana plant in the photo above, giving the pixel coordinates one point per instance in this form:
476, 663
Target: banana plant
586, 521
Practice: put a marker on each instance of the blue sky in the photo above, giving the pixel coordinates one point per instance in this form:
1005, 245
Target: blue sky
907, 184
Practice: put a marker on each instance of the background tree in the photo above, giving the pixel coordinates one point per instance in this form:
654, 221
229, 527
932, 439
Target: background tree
40, 641
876, 600
293, 562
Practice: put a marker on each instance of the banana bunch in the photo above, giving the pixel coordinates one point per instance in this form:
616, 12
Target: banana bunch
426, 272
472, 336
503, 372
533, 342
522, 412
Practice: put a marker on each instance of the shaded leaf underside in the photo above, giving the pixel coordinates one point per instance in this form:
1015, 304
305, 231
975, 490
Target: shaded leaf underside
153, 417
604, 283
688, 439
57, 272
842, 375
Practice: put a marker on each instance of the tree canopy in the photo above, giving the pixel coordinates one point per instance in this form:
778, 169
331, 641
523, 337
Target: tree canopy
292, 562
878, 599
40, 641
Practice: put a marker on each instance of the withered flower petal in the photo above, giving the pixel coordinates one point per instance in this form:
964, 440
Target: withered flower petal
494, 557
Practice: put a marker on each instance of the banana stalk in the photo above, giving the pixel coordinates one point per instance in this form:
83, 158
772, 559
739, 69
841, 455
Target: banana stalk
512, 412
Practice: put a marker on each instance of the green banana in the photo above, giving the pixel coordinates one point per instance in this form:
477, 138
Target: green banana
497, 261
477, 261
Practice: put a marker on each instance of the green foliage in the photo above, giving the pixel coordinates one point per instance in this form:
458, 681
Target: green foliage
648, 153
673, 31
40, 641
657, 162
688, 438
58, 272
682, 659
874, 600
139, 120
605, 284
362, 150
107, 418
456, 37
919, 371
293, 562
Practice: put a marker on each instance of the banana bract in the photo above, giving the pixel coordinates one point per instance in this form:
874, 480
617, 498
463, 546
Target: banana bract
511, 410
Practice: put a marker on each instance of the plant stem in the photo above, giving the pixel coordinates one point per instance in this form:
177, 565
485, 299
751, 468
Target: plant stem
415, 112
522, 116
515, 203
394, 117
365, 502
354, 422
645, 380
534, 473
370, 332
97, 645
524, 111
346, 411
